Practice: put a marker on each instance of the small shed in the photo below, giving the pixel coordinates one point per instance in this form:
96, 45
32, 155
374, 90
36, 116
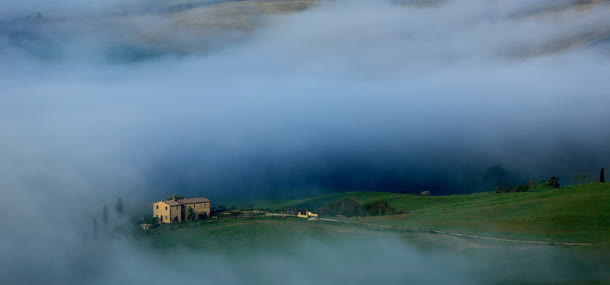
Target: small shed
425, 193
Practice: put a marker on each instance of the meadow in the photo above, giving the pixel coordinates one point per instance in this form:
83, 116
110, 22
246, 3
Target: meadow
264, 249
409, 247
578, 213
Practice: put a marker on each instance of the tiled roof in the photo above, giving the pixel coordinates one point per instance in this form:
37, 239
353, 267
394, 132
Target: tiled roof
171, 202
193, 200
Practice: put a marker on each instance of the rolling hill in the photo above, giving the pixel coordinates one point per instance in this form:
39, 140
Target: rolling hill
537, 220
572, 214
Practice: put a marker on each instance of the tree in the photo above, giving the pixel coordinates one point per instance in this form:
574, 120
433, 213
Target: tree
105, 215
191, 213
175, 219
602, 176
522, 188
119, 207
153, 221
233, 207
177, 197
94, 228
376, 208
532, 183
554, 181
344, 206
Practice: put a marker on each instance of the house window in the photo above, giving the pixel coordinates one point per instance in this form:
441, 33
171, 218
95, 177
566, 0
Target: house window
166, 217
161, 218
157, 207
194, 205
166, 208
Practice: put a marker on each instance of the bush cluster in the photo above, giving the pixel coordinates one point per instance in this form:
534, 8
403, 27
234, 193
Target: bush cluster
351, 207
512, 189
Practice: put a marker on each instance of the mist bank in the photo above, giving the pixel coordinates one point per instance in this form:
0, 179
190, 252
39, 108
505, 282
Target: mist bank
454, 97
340, 97
266, 251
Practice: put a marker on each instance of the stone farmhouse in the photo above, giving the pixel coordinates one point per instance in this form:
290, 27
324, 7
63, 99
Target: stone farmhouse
171, 211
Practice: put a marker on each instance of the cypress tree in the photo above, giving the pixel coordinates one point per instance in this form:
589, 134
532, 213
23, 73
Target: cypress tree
119, 207
105, 215
94, 228
602, 176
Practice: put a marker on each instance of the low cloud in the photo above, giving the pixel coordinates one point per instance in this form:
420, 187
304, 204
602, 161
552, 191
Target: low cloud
348, 95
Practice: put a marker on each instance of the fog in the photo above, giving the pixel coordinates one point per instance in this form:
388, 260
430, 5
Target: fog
346, 95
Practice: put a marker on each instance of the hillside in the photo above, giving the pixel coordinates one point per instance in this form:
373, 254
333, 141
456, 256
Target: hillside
575, 214
571, 214
334, 249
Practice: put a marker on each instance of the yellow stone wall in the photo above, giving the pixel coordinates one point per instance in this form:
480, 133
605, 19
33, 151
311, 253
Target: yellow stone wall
175, 212
160, 209
198, 208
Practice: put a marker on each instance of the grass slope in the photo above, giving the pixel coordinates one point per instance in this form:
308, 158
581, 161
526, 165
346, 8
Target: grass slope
571, 214
253, 233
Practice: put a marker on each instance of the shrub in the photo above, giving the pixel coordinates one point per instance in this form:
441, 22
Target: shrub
348, 207
554, 181
532, 183
523, 188
191, 213
376, 208
519, 188
153, 221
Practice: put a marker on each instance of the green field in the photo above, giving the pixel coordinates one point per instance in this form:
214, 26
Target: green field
262, 233
570, 214
400, 248
261, 249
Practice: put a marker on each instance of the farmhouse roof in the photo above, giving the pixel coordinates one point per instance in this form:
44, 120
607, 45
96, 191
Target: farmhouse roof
171, 202
193, 200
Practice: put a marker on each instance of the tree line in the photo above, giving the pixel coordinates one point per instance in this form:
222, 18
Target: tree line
553, 181
351, 207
